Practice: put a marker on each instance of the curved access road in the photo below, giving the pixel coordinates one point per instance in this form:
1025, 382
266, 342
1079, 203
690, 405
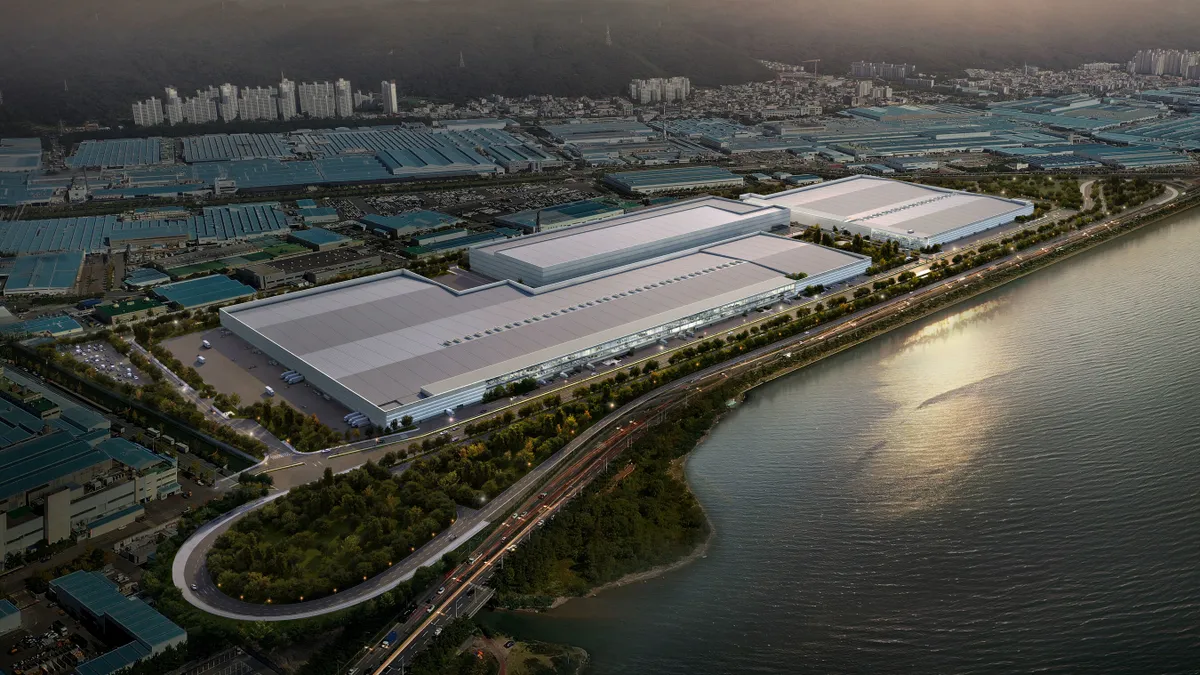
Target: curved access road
189, 572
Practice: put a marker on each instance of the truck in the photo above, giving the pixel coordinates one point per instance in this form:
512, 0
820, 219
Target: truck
206, 344
269, 391
389, 640
200, 360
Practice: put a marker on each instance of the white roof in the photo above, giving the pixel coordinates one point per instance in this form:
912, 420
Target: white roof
631, 231
887, 204
391, 336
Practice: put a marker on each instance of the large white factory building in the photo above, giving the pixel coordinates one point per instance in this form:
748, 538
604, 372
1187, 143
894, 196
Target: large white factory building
914, 215
398, 344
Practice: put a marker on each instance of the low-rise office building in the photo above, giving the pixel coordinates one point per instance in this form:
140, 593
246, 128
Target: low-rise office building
127, 311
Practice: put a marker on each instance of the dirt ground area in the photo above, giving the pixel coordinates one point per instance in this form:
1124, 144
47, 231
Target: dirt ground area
93, 279
233, 367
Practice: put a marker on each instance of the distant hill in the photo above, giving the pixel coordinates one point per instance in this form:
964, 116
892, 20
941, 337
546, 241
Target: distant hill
113, 52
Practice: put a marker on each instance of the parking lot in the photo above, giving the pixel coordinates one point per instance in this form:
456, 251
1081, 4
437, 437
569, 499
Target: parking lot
101, 356
50, 642
235, 367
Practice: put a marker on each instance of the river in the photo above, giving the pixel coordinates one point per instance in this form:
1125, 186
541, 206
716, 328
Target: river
1010, 485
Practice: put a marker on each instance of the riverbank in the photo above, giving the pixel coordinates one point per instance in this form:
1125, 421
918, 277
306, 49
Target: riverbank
981, 281
677, 472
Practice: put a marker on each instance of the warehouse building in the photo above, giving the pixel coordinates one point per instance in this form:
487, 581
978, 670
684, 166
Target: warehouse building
675, 179
398, 344
43, 274
608, 244
404, 224
561, 215
914, 215
319, 239
140, 630
59, 325
315, 268
203, 292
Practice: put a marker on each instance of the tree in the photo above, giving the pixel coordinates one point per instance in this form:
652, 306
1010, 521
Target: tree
406, 421
327, 478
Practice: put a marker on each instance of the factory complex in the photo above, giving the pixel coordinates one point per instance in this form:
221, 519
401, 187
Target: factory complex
397, 344
914, 215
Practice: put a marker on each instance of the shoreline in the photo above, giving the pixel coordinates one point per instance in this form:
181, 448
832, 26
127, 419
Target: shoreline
678, 471
701, 550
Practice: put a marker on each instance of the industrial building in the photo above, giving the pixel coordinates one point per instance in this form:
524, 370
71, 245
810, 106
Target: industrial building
675, 179
561, 215
10, 617
398, 344
442, 242
319, 239
63, 475
138, 629
914, 215
97, 234
395, 227
58, 325
43, 274
20, 154
315, 268
203, 292
615, 242
145, 277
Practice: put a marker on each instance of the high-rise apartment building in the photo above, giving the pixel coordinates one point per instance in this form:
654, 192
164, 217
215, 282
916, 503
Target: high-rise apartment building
316, 99
391, 104
201, 108
287, 99
1164, 62
887, 71
228, 102
148, 113
258, 103
659, 89
173, 106
865, 87
343, 98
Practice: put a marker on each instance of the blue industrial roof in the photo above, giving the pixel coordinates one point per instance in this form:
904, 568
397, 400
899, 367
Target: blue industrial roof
203, 291
45, 272
468, 239
101, 598
8, 609
130, 454
146, 276
216, 147
16, 424
558, 213
318, 236
20, 154
117, 153
54, 325
420, 220
111, 662
317, 211
42, 459
306, 203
